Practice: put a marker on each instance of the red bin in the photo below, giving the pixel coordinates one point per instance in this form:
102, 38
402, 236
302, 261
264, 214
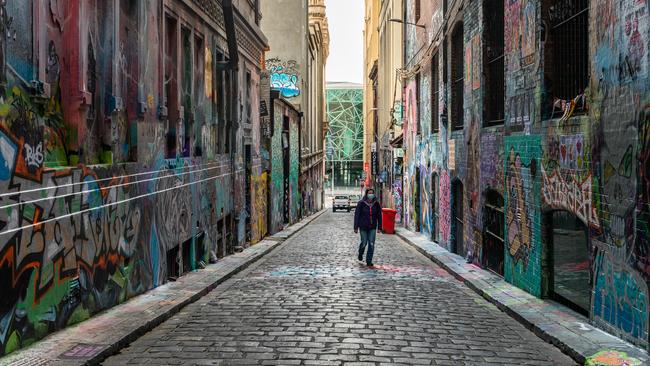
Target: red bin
388, 220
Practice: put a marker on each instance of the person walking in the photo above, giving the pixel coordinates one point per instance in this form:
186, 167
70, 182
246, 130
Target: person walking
367, 219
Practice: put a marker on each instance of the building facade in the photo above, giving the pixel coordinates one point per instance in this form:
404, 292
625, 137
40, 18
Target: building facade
128, 145
299, 45
370, 92
345, 141
525, 137
388, 181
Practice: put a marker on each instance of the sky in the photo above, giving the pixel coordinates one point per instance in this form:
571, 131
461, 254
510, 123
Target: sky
345, 62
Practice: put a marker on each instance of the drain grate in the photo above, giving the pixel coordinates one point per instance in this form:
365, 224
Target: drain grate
82, 351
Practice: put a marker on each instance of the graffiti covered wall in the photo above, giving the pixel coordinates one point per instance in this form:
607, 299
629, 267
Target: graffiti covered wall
115, 165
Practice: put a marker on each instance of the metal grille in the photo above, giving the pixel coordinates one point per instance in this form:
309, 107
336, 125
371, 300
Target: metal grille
493, 238
494, 66
435, 94
567, 49
457, 78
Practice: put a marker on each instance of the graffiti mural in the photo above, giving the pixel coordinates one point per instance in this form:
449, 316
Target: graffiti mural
523, 219
285, 76
620, 298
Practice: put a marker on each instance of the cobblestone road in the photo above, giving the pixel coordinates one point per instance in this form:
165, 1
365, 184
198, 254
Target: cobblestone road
311, 303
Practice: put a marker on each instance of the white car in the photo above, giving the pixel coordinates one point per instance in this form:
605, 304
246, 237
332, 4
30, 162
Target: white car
341, 203
354, 199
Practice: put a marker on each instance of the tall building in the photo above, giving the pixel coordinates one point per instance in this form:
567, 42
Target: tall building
298, 37
345, 135
526, 147
370, 92
127, 144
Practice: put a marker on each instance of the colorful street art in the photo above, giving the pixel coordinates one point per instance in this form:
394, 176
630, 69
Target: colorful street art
620, 298
523, 219
285, 76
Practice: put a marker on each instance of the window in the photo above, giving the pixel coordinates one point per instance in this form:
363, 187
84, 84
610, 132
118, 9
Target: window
493, 236
171, 83
566, 57
494, 85
249, 86
417, 102
457, 77
435, 94
199, 93
220, 102
186, 90
129, 77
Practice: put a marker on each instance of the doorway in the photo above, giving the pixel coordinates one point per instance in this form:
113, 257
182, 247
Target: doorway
568, 240
417, 198
433, 202
248, 171
286, 168
457, 218
493, 233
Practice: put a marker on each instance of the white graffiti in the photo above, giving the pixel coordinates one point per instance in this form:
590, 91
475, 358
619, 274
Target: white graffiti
34, 155
572, 196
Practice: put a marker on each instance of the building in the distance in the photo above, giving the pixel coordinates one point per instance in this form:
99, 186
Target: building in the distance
345, 136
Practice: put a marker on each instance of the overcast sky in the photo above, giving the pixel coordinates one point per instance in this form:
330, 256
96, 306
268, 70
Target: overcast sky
345, 62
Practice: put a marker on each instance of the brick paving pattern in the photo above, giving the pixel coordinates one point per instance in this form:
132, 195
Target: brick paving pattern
311, 302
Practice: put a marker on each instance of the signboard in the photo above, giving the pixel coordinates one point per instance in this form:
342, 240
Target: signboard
374, 163
373, 147
452, 154
398, 152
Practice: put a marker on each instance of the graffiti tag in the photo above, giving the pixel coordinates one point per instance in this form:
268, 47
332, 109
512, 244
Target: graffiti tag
34, 155
570, 195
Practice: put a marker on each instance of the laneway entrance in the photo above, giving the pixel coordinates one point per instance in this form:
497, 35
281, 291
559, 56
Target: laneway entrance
493, 232
457, 218
567, 238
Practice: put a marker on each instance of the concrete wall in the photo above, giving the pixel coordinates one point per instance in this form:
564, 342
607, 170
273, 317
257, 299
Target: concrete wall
589, 164
107, 191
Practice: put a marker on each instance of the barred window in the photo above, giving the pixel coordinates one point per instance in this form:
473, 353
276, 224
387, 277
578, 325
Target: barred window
457, 77
435, 94
493, 238
566, 56
494, 100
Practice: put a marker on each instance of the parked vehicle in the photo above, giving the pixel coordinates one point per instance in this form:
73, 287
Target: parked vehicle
341, 203
354, 199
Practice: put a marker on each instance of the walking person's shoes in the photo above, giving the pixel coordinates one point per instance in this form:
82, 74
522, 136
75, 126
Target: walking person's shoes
360, 257
371, 265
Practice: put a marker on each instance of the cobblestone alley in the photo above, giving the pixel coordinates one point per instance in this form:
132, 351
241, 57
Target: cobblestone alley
310, 302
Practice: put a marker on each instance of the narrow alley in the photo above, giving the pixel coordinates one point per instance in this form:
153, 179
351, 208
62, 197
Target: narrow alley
310, 302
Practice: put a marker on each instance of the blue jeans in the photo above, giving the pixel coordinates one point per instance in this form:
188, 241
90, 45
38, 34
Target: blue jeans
367, 239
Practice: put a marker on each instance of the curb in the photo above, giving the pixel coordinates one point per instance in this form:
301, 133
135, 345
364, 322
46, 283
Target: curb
32, 355
609, 342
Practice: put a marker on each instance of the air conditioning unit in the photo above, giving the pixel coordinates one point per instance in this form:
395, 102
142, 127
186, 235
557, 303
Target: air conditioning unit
163, 112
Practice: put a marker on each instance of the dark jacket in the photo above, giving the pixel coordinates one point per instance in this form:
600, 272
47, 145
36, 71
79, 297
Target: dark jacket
367, 215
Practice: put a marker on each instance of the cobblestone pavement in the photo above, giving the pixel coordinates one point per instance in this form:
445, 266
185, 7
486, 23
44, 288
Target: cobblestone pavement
311, 302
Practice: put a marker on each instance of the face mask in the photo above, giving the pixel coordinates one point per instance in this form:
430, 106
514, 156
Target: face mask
371, 196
